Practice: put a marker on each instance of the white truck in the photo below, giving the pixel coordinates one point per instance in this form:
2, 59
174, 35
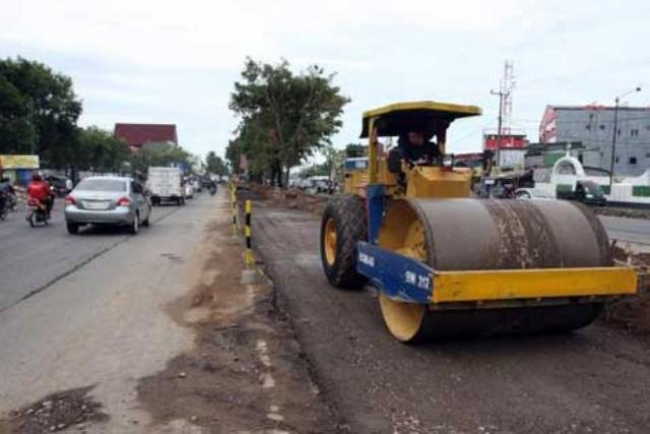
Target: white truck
166, 184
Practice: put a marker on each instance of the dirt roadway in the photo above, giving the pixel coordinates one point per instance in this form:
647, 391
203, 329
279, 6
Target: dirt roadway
245, 374
595, 380
157, 335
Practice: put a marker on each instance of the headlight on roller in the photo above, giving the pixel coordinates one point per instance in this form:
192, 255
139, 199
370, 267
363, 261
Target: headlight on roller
448, 160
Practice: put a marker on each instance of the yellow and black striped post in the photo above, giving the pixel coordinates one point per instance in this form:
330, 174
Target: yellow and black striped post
248, 257
233, 202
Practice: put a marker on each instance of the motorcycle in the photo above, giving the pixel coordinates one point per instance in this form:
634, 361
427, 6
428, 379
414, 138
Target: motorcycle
37, 213
213, 189
11, 201
3, 205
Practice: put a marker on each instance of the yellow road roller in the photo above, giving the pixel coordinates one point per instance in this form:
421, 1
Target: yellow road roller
448, 265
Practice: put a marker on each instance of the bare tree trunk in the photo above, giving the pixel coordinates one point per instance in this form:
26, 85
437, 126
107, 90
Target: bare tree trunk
276, 178
280, 178
272, 175
286, 179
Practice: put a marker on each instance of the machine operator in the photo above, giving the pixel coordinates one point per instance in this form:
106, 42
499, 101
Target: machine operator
418, 148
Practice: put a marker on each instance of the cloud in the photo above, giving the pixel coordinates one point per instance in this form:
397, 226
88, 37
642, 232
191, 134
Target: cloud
176, 61
201, 34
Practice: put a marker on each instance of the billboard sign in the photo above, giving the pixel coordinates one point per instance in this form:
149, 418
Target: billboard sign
493, 141
19, 162
511, 158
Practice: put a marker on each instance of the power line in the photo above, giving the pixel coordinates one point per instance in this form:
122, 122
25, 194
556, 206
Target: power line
470, 134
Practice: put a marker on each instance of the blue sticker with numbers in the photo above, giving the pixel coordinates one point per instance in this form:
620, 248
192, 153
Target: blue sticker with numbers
399, 277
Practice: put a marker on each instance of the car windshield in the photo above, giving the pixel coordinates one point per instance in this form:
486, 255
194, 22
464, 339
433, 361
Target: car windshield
113, 185
593, 188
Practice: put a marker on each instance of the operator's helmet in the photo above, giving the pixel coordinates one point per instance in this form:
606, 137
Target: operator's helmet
36, 176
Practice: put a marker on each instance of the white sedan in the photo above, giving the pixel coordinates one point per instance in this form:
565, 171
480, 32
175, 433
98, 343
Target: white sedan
107, 200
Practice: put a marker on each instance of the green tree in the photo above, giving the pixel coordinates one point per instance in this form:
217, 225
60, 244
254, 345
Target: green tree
285, 117
159, 154
355, 150
254, 142
214, 164
333, 166
17, 132
314, 170
38, 112
233, 151
99, 151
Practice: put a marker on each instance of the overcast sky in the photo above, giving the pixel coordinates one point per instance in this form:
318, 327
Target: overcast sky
175, 62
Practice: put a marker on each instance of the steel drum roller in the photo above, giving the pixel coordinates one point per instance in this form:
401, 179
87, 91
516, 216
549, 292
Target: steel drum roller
472, 234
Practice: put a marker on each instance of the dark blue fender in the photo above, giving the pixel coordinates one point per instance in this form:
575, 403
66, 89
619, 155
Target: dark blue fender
397, 276
375, 204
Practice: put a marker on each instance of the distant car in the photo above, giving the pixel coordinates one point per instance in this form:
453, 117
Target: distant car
305, 184
107, 200
494, 188
206, 182
189, 190
532, 193
61, 184
325, 186
590, 193
585, 191
196, 184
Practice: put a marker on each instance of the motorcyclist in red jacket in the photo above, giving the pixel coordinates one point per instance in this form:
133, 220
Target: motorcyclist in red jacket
39, 189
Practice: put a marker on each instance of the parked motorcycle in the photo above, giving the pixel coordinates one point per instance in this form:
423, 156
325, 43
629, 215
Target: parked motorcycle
37, 213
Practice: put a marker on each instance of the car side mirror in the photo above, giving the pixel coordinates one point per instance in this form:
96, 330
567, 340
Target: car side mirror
395, 157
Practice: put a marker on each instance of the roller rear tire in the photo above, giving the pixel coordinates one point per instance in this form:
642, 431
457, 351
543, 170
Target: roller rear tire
343, 225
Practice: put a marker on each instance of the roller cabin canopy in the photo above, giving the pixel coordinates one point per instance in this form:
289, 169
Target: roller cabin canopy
426, 116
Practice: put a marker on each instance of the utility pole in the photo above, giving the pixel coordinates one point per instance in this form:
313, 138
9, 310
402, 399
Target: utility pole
615, 134
507, 86
497, 151
501, 95
505, 103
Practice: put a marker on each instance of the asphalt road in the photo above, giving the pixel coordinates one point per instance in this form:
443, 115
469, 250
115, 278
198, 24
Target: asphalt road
627, 229
594, 380
33, 258
90, 310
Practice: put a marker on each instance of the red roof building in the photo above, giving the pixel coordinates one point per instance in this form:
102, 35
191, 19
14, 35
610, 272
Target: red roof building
138, 135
